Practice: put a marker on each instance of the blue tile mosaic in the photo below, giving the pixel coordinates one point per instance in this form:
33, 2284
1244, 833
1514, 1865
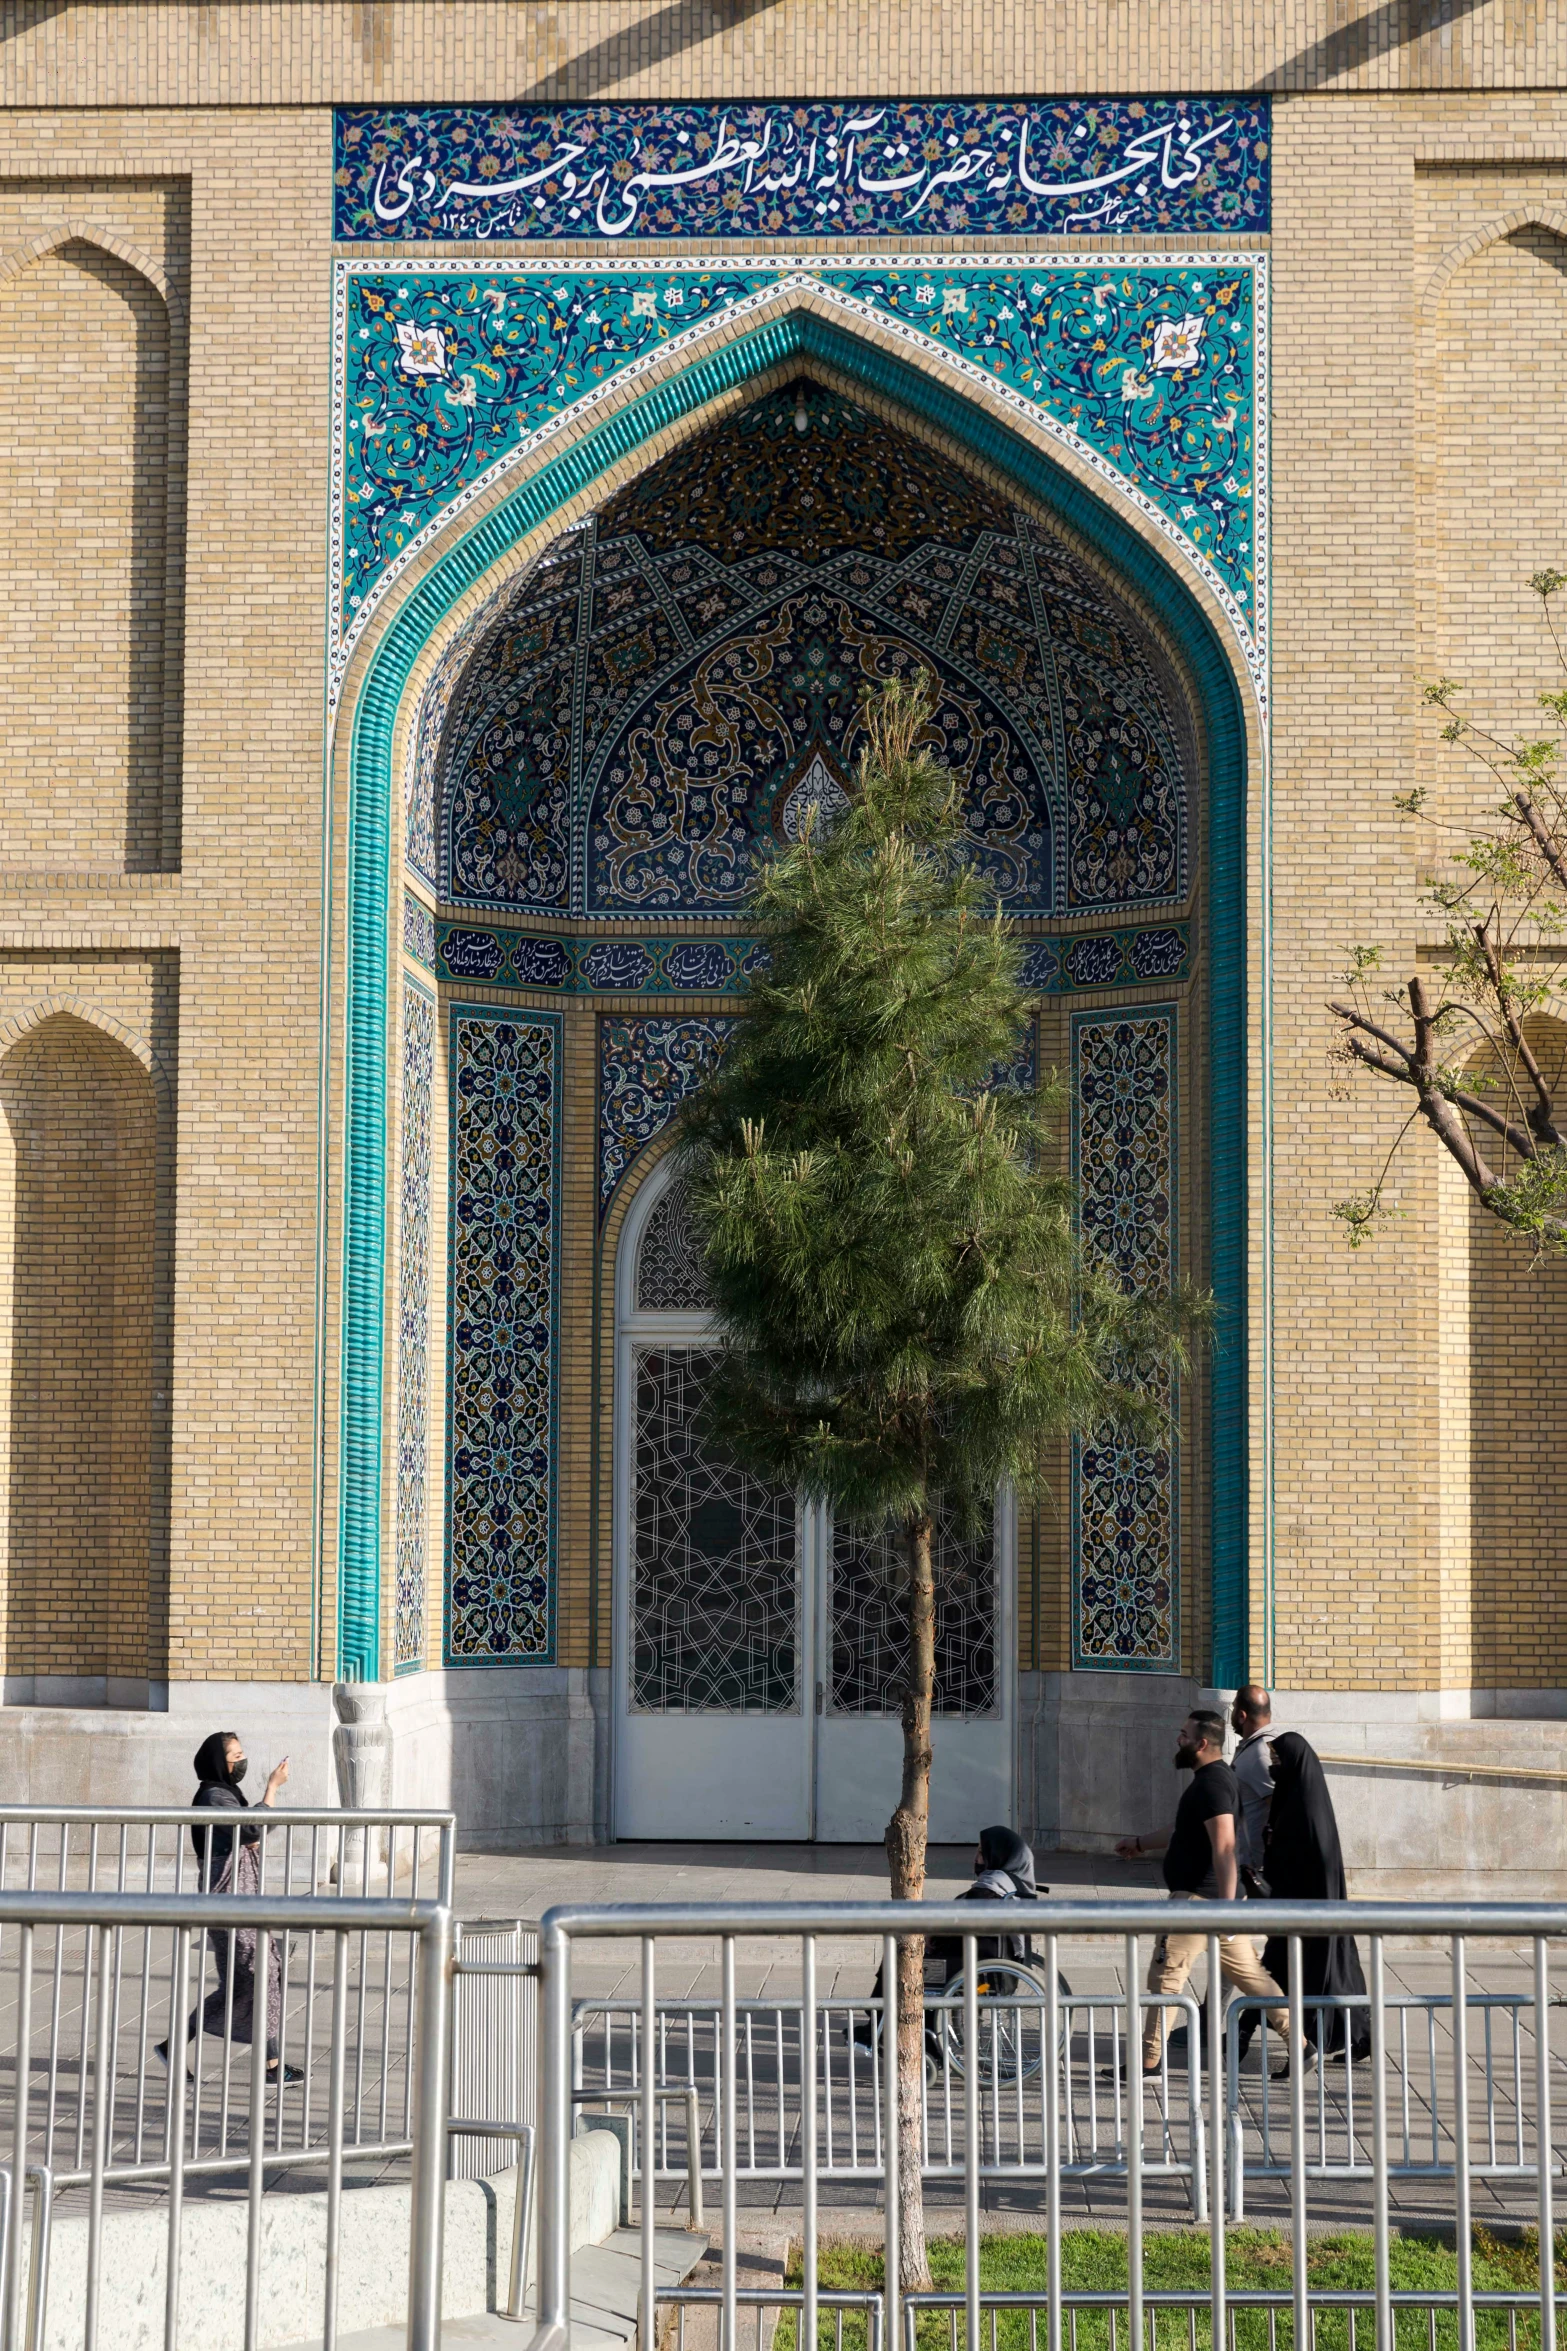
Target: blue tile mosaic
1148, 367
821, 168
687, 675
626, 967
679, 967
418, 931
413, 1328
648, 1064
505, 1281
1125, 1513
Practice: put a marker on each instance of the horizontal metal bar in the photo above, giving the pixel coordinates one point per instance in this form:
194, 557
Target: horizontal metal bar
158, 1815
776, 2297
363, 1913
513, 1969
1249, 2298
1446, 1771
633, 2097
615, 1922
463, 2128
212, 2166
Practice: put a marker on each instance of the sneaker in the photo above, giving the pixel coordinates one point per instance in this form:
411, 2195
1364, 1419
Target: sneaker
286, 2074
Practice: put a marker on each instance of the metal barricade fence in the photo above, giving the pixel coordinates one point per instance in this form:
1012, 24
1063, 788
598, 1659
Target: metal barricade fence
1306, 2316
607, 2066
169, 1931
1499, 2029
102, 2014
495, 2058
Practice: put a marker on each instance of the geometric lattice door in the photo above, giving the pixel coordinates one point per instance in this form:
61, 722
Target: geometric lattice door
711, 1635
759, 1652
859, 1735
715, 1584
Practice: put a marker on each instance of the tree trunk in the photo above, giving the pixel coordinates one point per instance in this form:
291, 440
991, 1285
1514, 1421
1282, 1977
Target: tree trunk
907, 1834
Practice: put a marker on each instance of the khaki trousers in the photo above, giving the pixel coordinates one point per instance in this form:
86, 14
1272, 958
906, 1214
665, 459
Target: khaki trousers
1174, 1957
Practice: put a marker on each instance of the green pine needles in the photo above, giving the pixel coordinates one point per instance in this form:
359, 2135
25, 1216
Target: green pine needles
906, 1314
905, 1317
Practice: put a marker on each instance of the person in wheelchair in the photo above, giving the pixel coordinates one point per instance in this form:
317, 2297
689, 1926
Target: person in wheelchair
1003, 1872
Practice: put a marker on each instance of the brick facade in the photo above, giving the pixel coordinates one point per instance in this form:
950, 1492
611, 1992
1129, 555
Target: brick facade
175, 805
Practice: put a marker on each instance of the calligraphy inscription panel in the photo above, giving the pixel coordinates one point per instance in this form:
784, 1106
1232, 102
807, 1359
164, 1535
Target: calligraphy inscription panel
923, 168
1149, 365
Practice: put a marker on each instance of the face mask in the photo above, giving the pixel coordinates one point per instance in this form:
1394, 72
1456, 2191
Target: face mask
237, 1771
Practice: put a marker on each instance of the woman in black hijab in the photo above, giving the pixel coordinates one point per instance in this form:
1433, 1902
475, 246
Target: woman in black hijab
229, 1861
1303, 1863
1003, 1872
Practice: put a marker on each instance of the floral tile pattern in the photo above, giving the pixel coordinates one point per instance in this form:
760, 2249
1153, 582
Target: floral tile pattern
505, 1276
824, 168
503, 958
648, 1064
418, 931
1125, 1522
1148, 367
655, 702
413, 1329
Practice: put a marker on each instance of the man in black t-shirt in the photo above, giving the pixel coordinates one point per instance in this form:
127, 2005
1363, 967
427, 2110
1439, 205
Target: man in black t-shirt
1199, 1866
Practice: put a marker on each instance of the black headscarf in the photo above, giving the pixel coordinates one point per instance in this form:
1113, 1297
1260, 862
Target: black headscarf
1305, 1863
1006, 1874
1008, 1866
212, 1760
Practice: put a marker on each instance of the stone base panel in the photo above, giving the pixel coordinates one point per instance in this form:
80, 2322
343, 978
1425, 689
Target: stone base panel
1440, 1794
523, 1759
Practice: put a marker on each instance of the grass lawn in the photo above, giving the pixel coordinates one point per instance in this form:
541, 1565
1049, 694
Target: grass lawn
1258, 2259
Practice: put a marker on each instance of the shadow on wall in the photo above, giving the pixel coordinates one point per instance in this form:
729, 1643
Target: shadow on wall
85, 1433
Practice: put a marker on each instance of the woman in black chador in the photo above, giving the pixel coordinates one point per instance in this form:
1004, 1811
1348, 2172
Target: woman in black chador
1304, 1864
228, 1861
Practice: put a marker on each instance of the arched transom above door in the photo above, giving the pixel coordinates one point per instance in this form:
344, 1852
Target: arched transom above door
676, 680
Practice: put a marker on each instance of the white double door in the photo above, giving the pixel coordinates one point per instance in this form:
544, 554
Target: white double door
759, 1656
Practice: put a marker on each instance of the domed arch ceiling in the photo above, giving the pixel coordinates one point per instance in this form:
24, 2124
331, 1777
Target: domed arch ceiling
670, 684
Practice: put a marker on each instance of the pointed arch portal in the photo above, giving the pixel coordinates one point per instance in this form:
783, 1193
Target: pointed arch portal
488, 750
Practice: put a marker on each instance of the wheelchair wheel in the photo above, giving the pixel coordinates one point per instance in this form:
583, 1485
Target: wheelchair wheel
1013, 2021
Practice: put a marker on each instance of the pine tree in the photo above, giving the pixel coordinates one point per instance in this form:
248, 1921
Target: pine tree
904, 1316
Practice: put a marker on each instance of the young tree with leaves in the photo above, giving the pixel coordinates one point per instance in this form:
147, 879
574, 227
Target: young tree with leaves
1458, 1039
905, 1318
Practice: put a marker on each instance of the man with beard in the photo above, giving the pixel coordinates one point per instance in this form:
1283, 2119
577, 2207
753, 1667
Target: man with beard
1199, 1866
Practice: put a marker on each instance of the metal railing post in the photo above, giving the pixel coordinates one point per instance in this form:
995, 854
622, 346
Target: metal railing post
1542, 2098
425, 2234
1216, 2145
649, 2122
1134, 2146
1053, 2146
1462, 2230
808, 2140
1379, 2219
728, 2151
1297, 2065
555, 2118
889, 2094
970, 2140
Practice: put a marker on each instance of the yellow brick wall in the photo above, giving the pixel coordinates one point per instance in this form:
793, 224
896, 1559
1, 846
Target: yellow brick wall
92, 481
86, 1154
197, 137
